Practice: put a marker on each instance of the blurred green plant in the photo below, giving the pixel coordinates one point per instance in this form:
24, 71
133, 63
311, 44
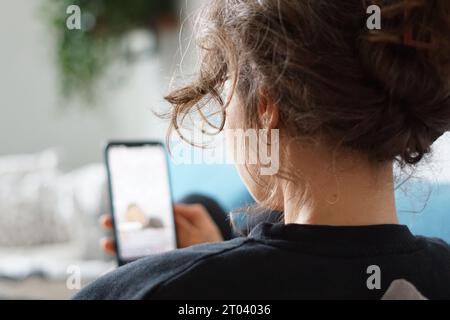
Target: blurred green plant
84, 55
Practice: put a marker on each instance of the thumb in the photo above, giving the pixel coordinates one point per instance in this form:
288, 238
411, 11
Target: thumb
190, 211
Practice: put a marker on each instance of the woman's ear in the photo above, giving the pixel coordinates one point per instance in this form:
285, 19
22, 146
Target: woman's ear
268, 112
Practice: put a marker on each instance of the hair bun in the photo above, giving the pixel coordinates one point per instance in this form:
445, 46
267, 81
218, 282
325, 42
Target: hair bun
409, 61
420, 24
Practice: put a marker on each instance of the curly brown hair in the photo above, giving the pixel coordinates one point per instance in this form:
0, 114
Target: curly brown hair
383, 93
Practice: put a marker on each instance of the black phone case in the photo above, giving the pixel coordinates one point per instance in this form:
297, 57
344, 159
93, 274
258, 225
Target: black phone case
119, 259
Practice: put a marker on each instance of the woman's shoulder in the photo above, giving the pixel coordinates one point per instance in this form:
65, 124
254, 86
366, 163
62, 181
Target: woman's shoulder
436, 247
139, 279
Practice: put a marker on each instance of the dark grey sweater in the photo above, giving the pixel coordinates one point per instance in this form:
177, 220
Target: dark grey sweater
287, 262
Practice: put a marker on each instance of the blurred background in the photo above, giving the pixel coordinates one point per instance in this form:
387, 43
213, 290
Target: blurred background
64, 93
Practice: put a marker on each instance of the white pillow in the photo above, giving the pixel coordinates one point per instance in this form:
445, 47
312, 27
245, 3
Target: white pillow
28, 214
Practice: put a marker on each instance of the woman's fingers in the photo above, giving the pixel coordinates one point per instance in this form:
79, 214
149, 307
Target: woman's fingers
194, 225
106, 221
191, 212
185, 231
183, 224
108, 245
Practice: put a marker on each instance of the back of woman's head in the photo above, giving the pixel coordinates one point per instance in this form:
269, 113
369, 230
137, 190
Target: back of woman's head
384, 93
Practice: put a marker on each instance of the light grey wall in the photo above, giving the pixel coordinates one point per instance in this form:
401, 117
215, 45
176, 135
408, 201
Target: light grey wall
31, 117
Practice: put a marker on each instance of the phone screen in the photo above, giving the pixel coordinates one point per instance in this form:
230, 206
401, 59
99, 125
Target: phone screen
141, 200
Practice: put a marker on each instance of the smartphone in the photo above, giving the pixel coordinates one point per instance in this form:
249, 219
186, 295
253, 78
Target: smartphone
140, 199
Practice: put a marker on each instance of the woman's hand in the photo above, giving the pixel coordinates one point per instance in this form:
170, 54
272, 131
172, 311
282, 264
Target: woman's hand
193, 222
195, 225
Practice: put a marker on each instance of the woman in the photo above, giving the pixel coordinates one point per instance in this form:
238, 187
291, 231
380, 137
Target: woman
348, 102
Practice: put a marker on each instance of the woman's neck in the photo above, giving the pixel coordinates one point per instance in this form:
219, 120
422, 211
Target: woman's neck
348, 192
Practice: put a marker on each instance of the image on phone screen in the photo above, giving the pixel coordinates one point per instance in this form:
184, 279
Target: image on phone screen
141, 200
